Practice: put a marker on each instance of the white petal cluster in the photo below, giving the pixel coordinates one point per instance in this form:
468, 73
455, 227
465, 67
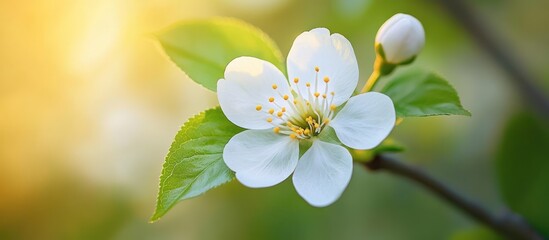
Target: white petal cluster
278, 114
401, 38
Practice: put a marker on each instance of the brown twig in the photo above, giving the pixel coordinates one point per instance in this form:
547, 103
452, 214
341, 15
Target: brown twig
509, 225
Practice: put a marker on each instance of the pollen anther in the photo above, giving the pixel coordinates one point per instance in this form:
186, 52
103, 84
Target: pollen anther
307, 116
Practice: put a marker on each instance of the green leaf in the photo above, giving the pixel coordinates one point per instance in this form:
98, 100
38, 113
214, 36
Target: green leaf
195, 163
477, 233
523, 169
419, 94
388, 145
203, 48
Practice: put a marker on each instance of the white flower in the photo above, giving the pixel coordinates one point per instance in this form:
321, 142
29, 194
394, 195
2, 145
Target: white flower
324, 73
402, 37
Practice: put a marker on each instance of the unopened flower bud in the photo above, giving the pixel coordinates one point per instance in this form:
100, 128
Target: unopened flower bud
400, 39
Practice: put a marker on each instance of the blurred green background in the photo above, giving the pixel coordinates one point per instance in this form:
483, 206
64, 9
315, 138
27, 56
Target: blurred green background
89, 105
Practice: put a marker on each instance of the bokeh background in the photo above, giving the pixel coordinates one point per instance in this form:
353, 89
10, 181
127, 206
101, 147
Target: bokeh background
89, 105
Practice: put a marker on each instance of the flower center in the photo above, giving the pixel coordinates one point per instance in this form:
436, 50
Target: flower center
307, 115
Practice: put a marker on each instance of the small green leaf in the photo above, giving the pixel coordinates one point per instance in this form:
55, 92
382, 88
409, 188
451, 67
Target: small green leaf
419, 94
195, 163
203, 48
522, 165
388, 145
477, 233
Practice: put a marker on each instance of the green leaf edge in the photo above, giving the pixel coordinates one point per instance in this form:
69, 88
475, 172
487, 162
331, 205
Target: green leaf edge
157, 215
223, 20
465, 111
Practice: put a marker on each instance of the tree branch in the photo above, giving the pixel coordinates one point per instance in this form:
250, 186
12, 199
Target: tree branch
485, 38
510, 224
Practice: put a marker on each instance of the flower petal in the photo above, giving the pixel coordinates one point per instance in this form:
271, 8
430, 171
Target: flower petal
261, 158
335, 59
248, 84
322, 173
365, 121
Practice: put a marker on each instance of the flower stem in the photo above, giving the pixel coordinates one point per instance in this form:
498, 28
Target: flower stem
371, 81
509, 224
376, 74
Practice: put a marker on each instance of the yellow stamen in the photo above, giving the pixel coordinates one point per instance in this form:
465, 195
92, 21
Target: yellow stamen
307, 131
271, 99
296, 80
317, 69
276, 130
285, 97
308, 84
317, 94
283, 109
293, 136
279, 114
326, 79
324, 95
333, 107
269, 119
333, 93
258, 107
271, 111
